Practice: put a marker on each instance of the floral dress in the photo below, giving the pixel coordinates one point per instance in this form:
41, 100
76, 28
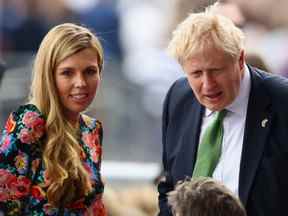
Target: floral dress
22, 171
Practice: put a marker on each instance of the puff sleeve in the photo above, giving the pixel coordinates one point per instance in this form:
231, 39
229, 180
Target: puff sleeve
19, 157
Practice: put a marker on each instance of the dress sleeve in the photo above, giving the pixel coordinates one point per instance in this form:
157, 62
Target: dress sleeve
20, 136
92, 136
100, 131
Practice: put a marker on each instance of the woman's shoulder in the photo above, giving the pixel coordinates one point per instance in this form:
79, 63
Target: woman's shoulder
27, 123
27, 108
90, 122
91, 128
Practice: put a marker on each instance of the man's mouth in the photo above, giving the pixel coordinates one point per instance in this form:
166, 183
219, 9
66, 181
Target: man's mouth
214, 96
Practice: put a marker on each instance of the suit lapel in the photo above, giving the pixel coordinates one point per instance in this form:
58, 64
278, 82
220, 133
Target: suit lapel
189, 140
257, 126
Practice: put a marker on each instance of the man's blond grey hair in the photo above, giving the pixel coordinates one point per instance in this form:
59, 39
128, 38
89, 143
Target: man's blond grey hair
206, 30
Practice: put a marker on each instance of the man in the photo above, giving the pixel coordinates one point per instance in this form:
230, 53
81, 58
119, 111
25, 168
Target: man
253, 156
204, 197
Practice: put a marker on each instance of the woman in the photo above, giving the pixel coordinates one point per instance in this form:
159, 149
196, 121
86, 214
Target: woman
50, 153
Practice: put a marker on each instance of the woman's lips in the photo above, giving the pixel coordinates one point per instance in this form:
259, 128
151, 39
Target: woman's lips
79, 97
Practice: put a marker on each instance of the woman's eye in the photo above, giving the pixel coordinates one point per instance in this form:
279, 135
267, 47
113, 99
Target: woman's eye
66, 73
91, 71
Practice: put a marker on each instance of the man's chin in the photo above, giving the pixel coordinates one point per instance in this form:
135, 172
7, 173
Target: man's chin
214, 107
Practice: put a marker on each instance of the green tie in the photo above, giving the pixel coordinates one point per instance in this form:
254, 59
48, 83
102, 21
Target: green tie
209, 149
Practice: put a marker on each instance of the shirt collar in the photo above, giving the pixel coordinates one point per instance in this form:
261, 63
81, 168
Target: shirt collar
208, 112
239, 105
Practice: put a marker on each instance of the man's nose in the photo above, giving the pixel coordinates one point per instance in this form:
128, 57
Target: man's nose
208, 81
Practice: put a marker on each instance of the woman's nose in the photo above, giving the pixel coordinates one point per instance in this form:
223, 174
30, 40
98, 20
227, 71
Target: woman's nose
80, 81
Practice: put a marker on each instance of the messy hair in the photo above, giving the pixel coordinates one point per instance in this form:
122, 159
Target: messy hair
204, 197
205, 29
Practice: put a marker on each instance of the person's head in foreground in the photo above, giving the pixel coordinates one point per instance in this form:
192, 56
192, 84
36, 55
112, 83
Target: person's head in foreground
204, 197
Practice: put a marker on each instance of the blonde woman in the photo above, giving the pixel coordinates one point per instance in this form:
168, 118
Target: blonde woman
50, 153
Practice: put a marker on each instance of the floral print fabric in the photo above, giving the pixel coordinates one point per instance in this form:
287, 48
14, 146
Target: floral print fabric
22, 171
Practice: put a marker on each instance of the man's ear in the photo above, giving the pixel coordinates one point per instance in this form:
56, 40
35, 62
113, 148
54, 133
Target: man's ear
241, 60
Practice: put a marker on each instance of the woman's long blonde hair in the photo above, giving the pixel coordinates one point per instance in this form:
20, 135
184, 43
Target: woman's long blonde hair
68, 179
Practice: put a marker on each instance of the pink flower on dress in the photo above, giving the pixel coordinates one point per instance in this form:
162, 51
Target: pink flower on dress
29, 118
38, 127
26, 136
92, 141
32, 134
13, 187
20, 187
6, 179
96, 153
35, 128
4, 194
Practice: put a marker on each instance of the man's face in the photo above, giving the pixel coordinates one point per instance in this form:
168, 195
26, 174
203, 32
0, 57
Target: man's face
214, 77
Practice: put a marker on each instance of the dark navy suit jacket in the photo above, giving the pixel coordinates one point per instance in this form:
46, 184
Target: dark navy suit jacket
263, 180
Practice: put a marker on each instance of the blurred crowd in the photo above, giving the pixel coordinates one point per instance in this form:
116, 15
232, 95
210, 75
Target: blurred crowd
135, 33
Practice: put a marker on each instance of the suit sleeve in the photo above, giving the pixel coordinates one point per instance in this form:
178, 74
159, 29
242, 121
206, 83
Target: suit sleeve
166, 184
20, 133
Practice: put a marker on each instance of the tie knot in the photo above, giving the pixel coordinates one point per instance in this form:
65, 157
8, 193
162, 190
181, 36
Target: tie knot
220, 115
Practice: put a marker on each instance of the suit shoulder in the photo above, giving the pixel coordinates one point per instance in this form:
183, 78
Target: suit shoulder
180, 88
276, 85
179, 96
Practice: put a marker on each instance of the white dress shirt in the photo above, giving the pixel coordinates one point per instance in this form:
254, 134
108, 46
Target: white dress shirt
228, 167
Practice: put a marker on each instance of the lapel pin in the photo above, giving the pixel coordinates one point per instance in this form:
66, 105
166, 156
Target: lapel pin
264, 122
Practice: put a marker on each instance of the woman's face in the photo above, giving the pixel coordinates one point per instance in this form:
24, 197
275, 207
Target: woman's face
77, 78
